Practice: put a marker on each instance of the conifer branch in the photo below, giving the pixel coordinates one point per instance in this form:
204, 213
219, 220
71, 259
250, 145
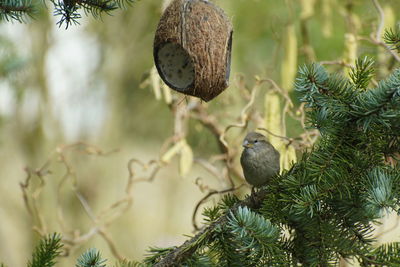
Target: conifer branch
206, 235
46, 252
392, 38
362, 73
91, 258
253, 233
387, 254
15, 10
68, 9
330, 197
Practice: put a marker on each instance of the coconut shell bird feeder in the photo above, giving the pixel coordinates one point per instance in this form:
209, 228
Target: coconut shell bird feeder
192, 48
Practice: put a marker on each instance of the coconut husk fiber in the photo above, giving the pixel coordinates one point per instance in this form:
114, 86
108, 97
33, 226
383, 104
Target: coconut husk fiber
194, 36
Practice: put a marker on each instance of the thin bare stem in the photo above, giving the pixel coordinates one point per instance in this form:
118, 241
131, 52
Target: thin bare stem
377, 40
113, 248
381, 20
335, 62
244, 116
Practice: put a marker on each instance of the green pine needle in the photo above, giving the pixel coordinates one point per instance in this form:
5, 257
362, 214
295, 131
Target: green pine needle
124, 3
46, 252
198, 261
392, 38
387, 254
91, 258
313, 80
228, 201
68, 9
307, 201
16, 10
211, 214
362, 73
252, 230
155, 254
380, 189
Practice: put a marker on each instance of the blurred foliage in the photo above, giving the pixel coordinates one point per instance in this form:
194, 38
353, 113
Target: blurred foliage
139, 114
15, 10
68, 11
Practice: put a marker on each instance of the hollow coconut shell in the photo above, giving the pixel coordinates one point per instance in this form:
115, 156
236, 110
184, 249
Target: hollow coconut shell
192, 48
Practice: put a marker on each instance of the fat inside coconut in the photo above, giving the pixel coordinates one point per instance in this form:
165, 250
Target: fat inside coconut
176, 66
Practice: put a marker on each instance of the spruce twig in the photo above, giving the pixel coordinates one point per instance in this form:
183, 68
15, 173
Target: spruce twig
15, 10
68, 9
206, 235
46, 252
362, 73
392, 38
91, 258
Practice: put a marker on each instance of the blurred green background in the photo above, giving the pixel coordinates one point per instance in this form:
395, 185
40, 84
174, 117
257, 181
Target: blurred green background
83, 84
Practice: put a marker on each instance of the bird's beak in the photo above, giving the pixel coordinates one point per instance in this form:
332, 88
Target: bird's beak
247, 144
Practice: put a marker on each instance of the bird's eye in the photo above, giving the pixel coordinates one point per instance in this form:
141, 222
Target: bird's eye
255, 141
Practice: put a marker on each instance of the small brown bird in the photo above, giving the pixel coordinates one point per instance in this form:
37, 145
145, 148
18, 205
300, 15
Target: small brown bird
260, 160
